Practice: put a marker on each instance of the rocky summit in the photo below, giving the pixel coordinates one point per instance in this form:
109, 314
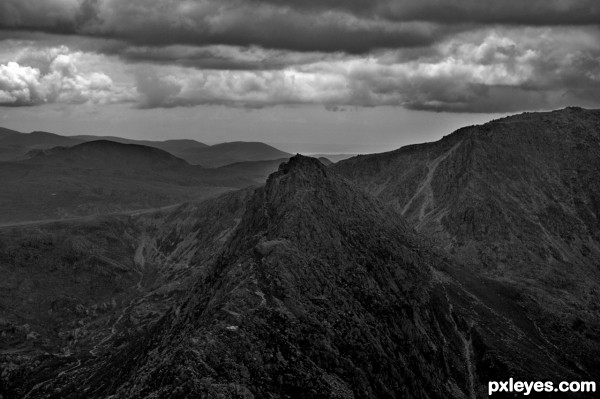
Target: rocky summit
307, 287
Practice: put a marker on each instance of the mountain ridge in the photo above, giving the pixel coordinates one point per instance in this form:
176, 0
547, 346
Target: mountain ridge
16, 145
321, 291
517, 200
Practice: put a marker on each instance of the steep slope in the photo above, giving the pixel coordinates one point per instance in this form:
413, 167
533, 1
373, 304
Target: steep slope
519, 199
320, 291
227, 153
103, 177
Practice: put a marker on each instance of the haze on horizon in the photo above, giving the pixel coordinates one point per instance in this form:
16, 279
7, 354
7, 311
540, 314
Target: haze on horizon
307, 76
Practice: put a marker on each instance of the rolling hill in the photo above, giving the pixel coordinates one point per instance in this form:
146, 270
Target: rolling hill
101, 177
213, 156
16, 146
104, 154
173, 146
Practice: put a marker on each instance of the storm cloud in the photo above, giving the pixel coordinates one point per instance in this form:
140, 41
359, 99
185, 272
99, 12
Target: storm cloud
456, 56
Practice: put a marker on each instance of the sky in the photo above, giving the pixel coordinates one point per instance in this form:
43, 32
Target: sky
306, 75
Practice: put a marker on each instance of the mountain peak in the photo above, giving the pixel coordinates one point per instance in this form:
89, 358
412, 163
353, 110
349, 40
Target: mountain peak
298, 171
301, 163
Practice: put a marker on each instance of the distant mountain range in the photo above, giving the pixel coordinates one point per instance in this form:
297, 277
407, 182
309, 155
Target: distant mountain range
100, 177
424, 272
48, 176
17, 146
227, 153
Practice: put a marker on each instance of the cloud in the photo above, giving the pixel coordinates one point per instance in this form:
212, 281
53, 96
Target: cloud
485, 12
52, 76
212, 22
222, 57
485, 71
456, 56
353, 26
239, 23
50, 15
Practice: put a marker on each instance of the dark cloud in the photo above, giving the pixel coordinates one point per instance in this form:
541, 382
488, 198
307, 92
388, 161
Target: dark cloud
229, 22
222, 57
509, 12
306, 25
353, 26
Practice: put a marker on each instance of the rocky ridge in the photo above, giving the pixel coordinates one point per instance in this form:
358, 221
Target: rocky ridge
321, 290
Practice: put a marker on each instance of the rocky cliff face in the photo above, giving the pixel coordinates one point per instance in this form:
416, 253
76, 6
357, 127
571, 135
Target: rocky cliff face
518, 200
311, 288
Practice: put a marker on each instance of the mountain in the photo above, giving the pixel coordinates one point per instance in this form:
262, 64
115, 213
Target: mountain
16, 145
307, 287
517, 199
258, 171
333, 157
104, 154
37, 140
173, 146
227, 153
214, 156
4, 132
180, 146
101, 177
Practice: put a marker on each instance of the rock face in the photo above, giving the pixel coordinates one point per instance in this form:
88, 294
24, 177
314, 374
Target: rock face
518, 199
305, 288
